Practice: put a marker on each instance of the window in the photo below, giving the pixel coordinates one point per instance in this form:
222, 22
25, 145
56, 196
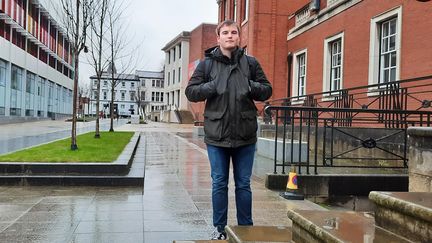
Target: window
132, 95
384, 62
174, 53
245, 10
179, 48
333, 63
122, 106
158, 83
299, 84
388, 51
162, 83
16, 78
235, 11
105, 83
179, 74
169, 77
132, 85
153, 83
95, 82
123, 95
104, 95
30, 83
173, 76
169, 56
157, 96
2, 73
123, 84
161, 97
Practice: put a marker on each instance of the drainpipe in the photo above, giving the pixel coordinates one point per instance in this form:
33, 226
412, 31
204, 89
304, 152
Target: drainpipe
289, 60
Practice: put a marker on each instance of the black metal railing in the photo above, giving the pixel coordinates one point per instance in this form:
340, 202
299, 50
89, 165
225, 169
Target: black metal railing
407, 94
313, 137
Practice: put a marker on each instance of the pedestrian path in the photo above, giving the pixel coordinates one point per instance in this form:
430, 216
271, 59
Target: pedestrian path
175, 203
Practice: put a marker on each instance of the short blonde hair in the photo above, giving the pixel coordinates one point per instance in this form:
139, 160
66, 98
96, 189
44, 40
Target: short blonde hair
227, 23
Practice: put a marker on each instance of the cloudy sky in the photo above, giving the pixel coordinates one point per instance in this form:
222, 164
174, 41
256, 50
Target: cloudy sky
153, 23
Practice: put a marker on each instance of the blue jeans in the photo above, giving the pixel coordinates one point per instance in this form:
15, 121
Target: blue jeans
242, 160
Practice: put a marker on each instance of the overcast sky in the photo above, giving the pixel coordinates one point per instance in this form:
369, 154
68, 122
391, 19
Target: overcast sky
153, 23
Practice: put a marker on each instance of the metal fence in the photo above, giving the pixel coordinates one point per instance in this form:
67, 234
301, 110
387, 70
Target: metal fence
362, 127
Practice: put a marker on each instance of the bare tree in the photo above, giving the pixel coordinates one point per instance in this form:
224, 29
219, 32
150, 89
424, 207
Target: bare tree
76, 20
98, 61
84, 93
118, 53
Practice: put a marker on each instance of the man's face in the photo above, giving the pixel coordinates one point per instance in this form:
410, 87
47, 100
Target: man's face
228, 38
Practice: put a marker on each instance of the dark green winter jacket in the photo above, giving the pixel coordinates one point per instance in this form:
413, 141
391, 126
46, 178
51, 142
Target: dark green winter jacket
229, 89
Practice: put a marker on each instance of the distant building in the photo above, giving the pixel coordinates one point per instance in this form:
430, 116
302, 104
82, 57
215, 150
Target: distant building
35, 63
125, 94
151, 92
182, 55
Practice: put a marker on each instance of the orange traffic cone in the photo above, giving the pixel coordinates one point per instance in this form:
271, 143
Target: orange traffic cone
291, 188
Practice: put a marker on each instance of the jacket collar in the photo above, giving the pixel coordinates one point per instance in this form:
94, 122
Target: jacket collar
216, 54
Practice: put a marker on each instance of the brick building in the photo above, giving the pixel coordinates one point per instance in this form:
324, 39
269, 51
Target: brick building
339, 44
203, 37
331, 44
182, 55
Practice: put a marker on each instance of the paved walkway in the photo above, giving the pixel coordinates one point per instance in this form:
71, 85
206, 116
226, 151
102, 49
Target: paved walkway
175, 203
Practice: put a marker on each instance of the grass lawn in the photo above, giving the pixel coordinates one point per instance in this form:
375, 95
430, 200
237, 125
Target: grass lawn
105, 149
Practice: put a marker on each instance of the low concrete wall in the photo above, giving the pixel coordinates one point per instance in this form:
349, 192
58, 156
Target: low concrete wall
266, 148
420, 159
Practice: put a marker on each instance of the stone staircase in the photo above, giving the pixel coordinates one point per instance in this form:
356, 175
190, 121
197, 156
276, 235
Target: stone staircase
398, 217
186, 117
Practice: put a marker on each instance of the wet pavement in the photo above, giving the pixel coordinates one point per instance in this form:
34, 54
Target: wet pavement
174, 204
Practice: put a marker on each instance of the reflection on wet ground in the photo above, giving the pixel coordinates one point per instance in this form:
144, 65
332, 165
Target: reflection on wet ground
175, 203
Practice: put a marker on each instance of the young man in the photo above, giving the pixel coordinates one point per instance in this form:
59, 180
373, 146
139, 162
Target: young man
229, 82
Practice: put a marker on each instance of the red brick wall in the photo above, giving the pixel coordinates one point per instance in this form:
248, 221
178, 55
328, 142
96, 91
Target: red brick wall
202, 38
416, 47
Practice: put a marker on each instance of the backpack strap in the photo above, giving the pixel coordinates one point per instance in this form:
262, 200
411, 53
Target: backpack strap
252, 69
208, 64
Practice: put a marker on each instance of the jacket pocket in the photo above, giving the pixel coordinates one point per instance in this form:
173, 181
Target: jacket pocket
248, 124
213, 124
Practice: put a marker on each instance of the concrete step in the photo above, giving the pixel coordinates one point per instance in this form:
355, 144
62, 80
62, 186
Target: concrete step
325, 185
407, 212
71, 180
337, 226
249, 234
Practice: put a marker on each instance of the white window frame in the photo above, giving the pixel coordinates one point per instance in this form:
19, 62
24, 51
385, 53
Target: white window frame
2, 72
235, 10
245, 11
296, 75
374, 45
327, 64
